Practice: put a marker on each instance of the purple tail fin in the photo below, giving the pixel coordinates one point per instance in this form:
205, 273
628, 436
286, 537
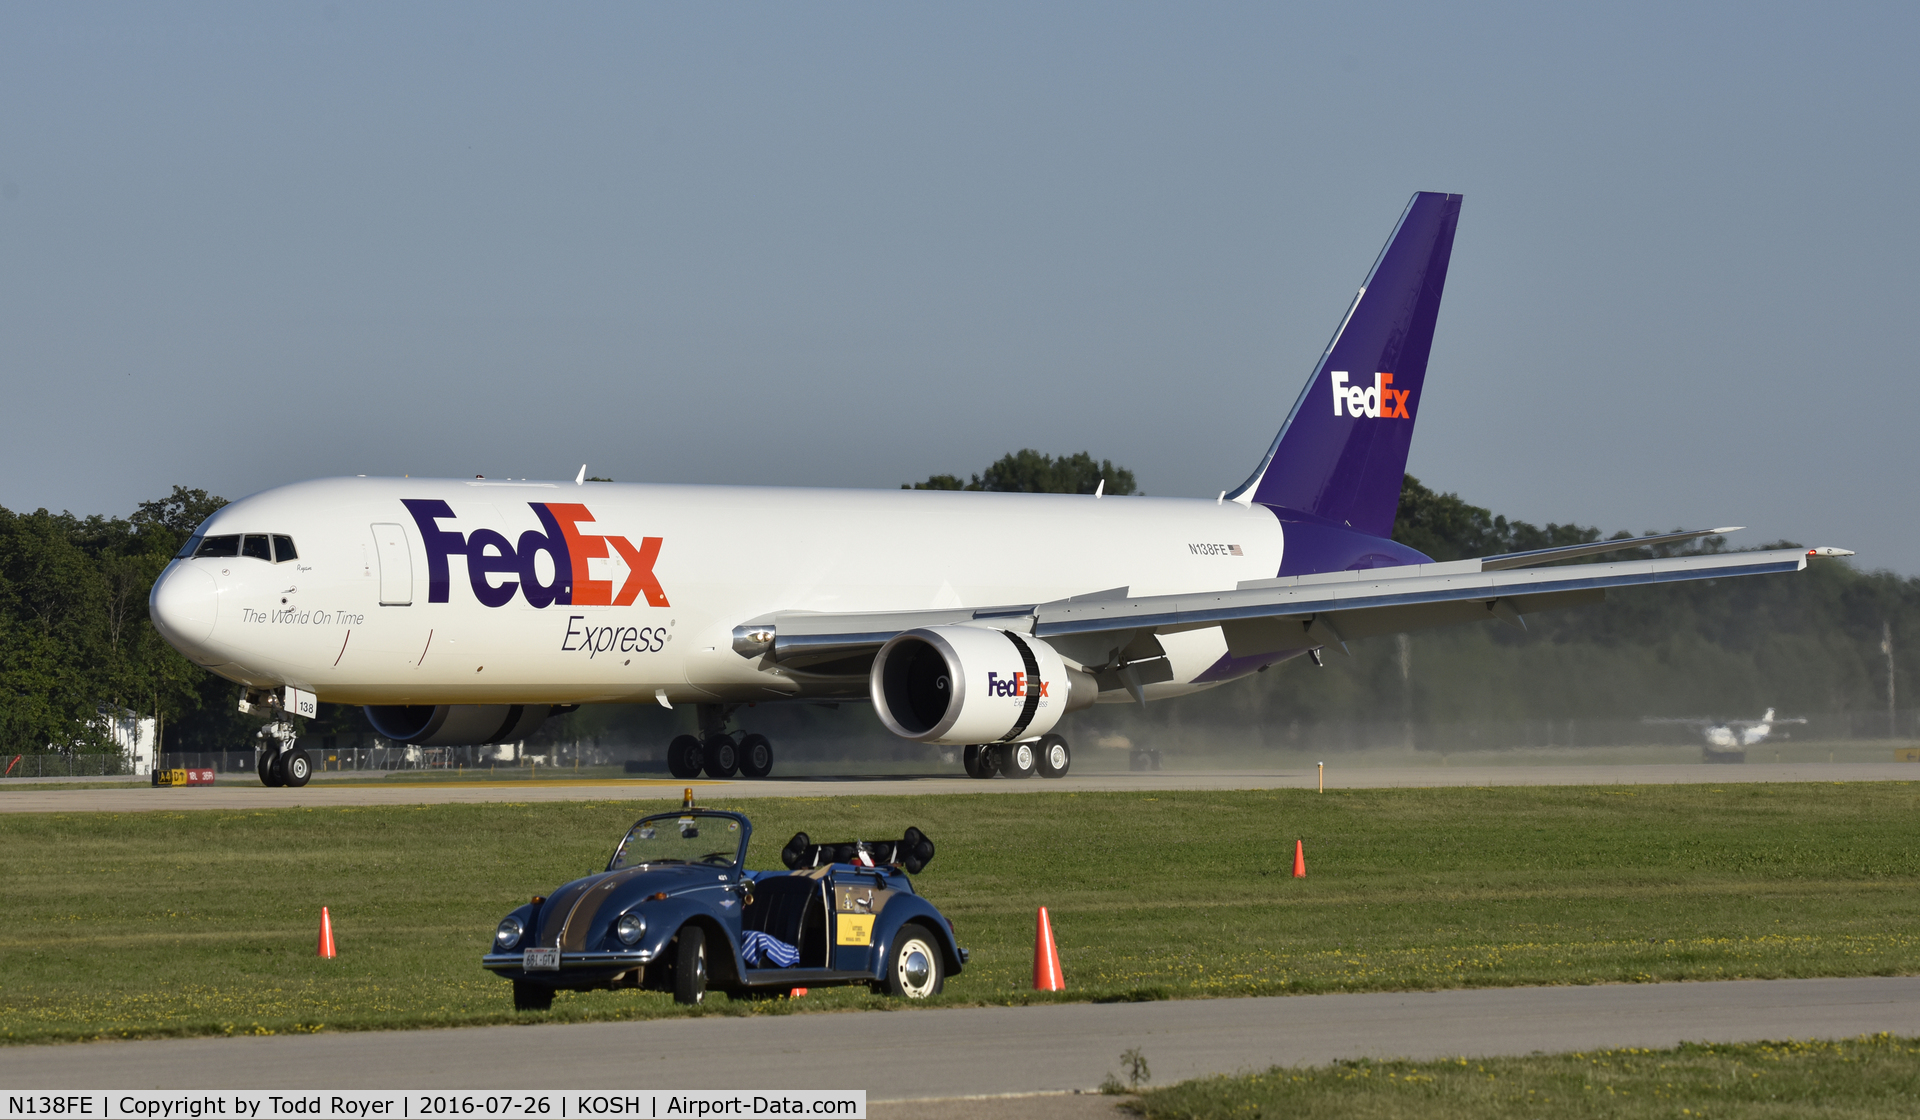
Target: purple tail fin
1340, 456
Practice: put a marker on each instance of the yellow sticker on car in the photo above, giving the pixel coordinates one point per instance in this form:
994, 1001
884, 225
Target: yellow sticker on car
854, 929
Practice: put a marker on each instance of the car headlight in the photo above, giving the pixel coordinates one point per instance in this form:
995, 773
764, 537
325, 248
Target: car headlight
509, 934
630, 928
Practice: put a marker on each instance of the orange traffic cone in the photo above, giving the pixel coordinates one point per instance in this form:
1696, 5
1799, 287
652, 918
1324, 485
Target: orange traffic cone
1046, 958
1299, 860
326, 934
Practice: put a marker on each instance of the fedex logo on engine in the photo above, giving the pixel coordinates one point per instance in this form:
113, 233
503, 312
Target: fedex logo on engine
1379, 401
1015, 685
491, 555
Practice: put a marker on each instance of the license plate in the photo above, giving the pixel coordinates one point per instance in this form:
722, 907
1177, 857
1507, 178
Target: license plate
542, 960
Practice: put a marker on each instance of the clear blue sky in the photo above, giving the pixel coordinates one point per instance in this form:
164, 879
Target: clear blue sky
853, 245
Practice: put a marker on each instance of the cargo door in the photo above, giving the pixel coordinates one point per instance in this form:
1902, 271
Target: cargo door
396, 565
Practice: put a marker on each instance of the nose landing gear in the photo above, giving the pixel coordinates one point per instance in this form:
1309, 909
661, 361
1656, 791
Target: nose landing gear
287, 766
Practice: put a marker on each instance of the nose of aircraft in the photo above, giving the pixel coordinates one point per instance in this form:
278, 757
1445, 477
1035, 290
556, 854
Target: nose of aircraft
183, 606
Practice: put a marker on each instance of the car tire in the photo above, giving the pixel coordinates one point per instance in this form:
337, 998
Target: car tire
296, 768
1017, 760
683, 757
1053, 756
720, 756
979, 762
529, 996
269, 773
690, 966
915, 969
756, 756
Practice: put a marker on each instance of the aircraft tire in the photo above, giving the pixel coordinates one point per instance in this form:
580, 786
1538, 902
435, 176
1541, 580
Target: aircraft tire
979, 762
683, 757
296, 769
1017, 760
1053, 756
720, 756
269, 772
756, 756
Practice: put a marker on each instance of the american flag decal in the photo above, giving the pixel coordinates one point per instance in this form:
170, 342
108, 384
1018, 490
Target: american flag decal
1235, 549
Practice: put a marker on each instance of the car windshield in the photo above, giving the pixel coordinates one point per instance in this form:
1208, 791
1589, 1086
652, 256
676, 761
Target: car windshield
682, 838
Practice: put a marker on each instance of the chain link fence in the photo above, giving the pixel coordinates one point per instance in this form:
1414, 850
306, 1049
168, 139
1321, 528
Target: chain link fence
56, 765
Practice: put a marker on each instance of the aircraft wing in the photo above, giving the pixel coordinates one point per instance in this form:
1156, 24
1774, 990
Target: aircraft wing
1110, 629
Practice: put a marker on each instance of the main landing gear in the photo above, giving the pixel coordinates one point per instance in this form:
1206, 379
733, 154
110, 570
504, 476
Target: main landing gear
722, 754
1048, 756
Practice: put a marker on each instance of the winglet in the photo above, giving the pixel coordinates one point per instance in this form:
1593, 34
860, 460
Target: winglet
581, 478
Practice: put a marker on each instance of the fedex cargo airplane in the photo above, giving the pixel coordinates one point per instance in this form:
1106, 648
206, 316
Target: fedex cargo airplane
466, 611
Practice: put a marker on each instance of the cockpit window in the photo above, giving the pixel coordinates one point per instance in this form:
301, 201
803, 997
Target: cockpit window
256, 546
192, 546
219, 546
283, 550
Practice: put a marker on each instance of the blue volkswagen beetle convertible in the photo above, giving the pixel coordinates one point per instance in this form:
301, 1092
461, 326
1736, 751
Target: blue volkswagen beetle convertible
676, 910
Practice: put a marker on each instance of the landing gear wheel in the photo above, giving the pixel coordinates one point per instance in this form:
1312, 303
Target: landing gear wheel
756, 757
722, 758
914, 968
690, 966
531, 997
1054, 756
295, 767
1017, 760
683, 757
979, 762
269, 773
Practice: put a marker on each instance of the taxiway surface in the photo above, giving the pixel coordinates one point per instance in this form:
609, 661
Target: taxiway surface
408, 791
934, 1055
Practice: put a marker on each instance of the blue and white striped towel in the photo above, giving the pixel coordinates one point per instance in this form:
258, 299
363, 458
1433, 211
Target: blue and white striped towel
763, 949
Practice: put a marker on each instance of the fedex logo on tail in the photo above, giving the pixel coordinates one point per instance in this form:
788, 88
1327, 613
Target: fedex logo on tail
515, 564
1379, 401
1015, 685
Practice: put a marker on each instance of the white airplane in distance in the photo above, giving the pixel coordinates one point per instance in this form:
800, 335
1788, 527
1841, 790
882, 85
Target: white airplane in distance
466, 611
1734, 735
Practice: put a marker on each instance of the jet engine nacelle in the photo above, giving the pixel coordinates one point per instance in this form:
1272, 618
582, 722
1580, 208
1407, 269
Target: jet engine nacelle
972, 684
456, 725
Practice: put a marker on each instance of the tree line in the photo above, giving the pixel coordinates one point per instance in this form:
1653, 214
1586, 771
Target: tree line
76, 642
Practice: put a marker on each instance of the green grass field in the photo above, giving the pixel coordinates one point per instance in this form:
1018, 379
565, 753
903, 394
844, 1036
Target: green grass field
1873, 1078
204, 922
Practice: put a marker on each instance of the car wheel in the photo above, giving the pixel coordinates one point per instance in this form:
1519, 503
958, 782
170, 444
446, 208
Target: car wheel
531, 997
683, 757
1054, 756
914, 968
296, 768
722, 758
756, 756
1017, 760
690, 966
979, 762
269, 773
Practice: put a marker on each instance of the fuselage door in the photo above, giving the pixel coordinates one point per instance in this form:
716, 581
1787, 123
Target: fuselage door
396, 565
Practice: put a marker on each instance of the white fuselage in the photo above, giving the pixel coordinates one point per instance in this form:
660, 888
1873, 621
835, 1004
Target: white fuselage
725, 556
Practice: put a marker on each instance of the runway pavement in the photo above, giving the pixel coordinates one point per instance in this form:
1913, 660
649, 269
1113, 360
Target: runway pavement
934, 1057
329, 792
